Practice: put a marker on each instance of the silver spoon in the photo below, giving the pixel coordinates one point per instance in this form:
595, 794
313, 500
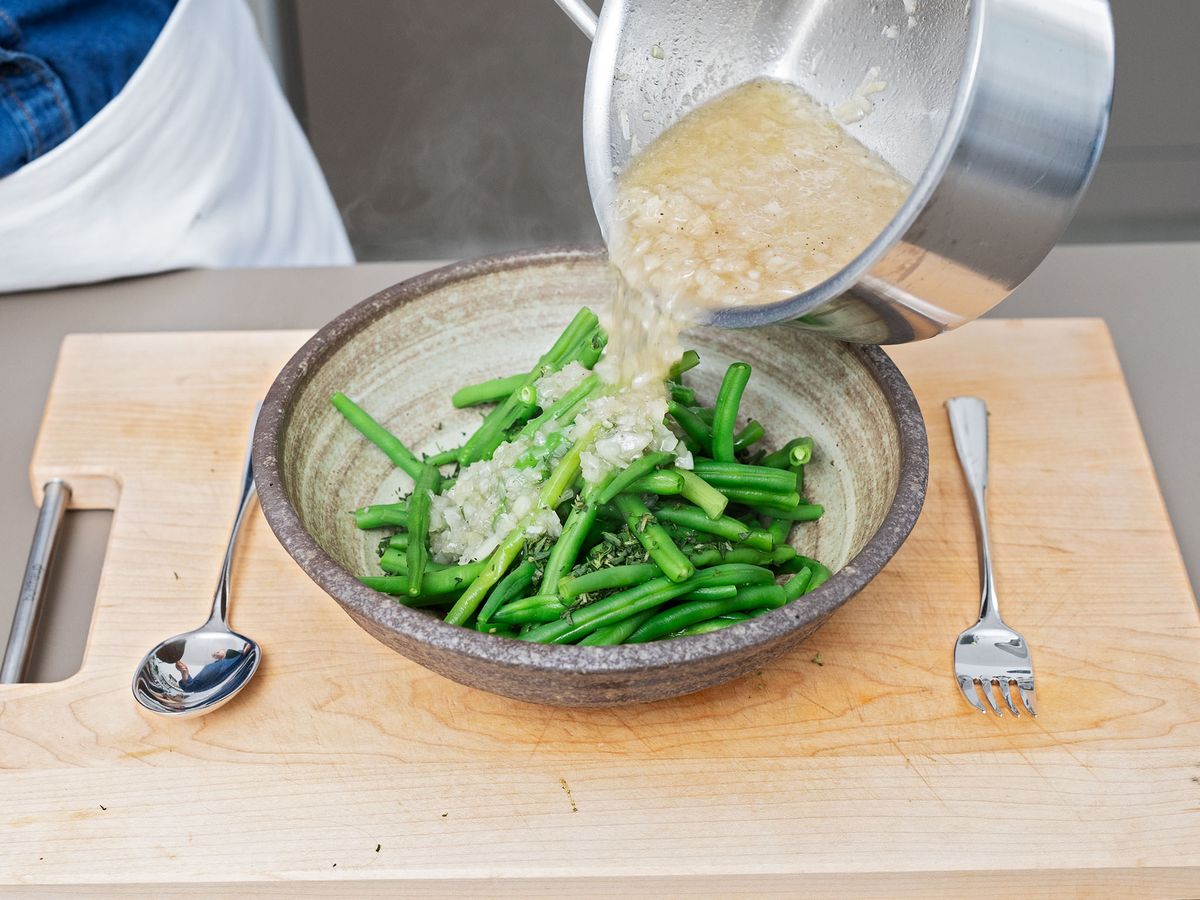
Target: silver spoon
196, 672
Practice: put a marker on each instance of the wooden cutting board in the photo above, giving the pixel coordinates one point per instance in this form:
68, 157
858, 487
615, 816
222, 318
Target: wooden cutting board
851, 766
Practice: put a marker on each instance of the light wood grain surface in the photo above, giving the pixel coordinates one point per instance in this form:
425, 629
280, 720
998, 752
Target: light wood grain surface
860, 771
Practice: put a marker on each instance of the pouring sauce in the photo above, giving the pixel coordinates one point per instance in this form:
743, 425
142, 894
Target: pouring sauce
754, 197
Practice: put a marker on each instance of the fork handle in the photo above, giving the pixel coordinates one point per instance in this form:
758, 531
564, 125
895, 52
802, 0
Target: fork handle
969, 425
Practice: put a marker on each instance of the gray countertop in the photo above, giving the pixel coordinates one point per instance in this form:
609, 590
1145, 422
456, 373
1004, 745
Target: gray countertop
1146, 292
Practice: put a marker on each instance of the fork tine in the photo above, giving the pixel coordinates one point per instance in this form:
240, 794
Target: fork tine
985, 687
1026, 689
967, 686
1004, 692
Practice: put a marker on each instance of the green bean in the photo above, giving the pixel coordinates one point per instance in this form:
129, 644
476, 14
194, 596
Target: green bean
639, 467
764, 502
584, 323
802, 512
418, 527
434, 584
759, 596
591, 350
511, 586
782, 554
666, 482
770, 596
704, 414
502, 557
443, 457
729, 399
687, 362
526, 398
654, 538
538, 609
572, 586
696, 434
725, 527
796, 452
748, 436
739, 475
508, 631
394, 560
820, 573
710, 625
571, 413
563, 475
702, 559
779, 529
616, 634
681, 394
391, 445
398, 541
721, 592
634, 600
561, 409
490, 391
562, 556
797, 585
381, 515
396, 586
703, 494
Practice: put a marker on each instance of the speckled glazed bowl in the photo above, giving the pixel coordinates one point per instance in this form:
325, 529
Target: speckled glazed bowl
402, 352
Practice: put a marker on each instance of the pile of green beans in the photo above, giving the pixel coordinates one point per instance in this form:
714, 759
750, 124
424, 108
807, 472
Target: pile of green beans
652, 552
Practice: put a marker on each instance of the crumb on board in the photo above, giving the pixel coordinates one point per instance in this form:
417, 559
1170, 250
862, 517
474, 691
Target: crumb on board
816, 660
562, 782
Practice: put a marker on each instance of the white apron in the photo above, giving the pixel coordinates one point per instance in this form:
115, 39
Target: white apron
197, 162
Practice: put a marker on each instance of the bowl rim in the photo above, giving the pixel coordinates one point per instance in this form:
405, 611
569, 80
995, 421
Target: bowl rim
413, 625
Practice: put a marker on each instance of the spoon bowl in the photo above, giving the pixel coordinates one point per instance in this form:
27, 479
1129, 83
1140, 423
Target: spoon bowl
195, 672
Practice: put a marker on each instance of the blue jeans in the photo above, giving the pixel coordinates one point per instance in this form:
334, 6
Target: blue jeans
61, 61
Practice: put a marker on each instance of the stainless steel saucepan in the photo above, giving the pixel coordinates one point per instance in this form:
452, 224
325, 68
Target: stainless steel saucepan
996, 110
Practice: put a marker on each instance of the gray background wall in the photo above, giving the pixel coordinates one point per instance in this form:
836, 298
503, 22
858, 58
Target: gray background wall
451, 127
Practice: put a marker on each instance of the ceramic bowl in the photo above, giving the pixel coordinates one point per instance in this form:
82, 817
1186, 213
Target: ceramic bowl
404, 351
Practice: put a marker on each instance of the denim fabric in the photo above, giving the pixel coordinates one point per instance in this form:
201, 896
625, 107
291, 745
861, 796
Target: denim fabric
61, 61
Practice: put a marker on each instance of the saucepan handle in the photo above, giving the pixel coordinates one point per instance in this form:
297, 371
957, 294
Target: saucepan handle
56, 496
581, 14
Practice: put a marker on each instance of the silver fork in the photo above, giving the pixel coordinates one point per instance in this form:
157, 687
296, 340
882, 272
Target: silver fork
990, 652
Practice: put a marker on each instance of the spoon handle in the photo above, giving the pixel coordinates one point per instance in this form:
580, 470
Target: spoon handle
220, 608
